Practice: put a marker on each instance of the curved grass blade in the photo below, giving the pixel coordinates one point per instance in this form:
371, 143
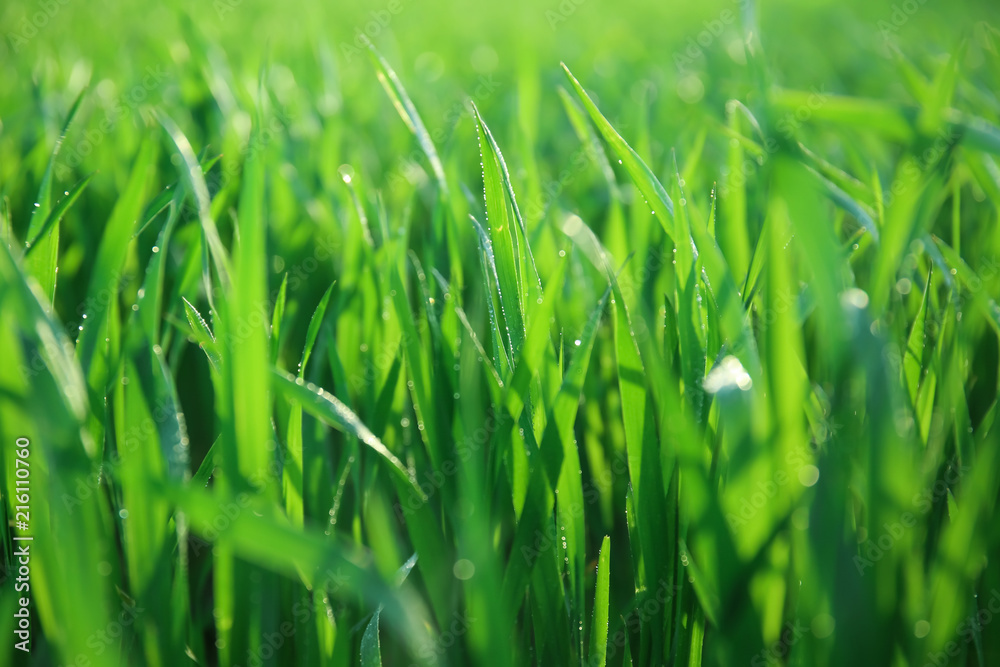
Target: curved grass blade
151, 295
651, 188
371, 654
846, 202
520, 243
276, 320
419, 369
501, 343
294, 469
194, 178
313, 332
315, 558
110, 257
328, 408
424, 530
43, 262
557, 449
913, 361
503, 239
57, 213
599, 625
401, 100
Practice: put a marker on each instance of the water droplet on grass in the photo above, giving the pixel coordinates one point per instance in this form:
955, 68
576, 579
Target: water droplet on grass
463, 569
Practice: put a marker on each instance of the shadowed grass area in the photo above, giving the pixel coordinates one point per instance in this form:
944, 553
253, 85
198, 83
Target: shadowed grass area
416, 333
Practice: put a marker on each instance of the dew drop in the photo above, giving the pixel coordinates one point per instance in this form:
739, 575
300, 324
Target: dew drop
463, 569
809, 475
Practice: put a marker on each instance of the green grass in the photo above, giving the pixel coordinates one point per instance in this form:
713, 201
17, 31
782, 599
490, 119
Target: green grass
539, 334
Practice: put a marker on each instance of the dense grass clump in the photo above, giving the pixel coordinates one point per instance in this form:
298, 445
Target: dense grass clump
375, 335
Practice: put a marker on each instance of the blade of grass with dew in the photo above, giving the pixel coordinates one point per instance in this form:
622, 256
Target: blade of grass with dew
419, 371
424, 530
408, 112
318, 560
371, 655
202, 334
501, 343
519, 234
294, 467
42, 265
651, 189
556, 442
953, 262
57, 213
599, 624
160, 452
689, 316
516, 393
277, 317
94, 345
150, 305
194, 179
52, 408
503, 239
637, 418
245, 418
913, 361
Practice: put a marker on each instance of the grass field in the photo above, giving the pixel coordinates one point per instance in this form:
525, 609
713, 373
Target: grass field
570, 333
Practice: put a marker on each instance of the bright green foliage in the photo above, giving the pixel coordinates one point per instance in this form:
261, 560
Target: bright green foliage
382, 338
